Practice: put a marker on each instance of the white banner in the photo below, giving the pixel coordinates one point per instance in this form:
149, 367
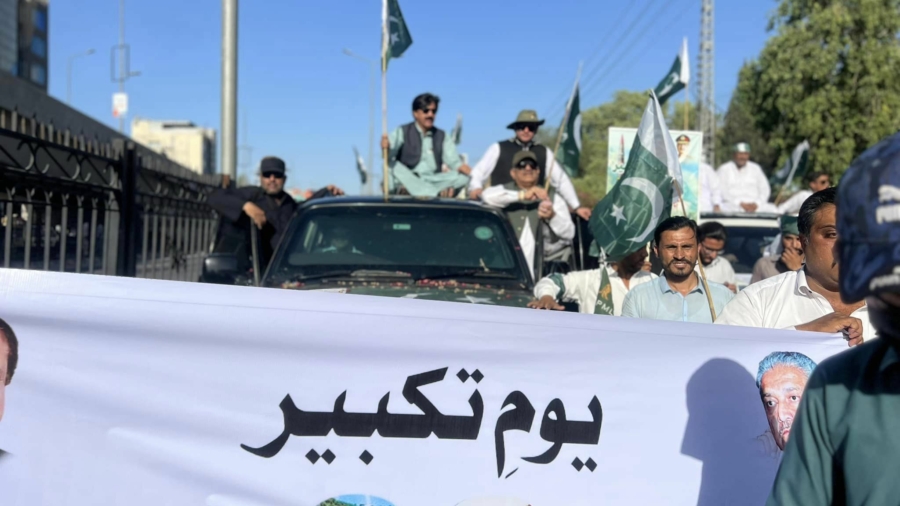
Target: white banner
147, 392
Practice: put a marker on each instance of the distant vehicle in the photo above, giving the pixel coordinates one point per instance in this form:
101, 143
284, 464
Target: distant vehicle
748, 237
435, 249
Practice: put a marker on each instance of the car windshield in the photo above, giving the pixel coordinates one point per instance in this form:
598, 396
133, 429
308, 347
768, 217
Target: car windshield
412, 242
745, 246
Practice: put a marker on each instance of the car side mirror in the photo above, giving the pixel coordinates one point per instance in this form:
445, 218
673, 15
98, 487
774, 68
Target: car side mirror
221, 268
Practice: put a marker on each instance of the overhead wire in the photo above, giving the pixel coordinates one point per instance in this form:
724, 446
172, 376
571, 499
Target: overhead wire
563, 94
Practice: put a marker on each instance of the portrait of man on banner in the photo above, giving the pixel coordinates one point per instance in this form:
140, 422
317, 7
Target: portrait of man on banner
781, 379
9, 357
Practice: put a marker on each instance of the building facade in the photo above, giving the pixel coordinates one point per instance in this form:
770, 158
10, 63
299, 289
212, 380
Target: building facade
9, 35
181, 141
33, 47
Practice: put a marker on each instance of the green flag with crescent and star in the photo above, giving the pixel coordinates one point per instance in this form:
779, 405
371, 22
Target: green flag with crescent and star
570, 149
794, 167
398, 37
456, 133
625, 219
678, 77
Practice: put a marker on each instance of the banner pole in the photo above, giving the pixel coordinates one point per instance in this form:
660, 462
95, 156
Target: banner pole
552, 161
384, 125
712, 306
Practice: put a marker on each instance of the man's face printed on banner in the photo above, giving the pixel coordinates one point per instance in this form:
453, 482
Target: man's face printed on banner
781, 388
4, 368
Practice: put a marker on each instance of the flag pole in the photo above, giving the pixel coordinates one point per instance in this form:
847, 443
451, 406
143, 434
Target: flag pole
552, 161
686, 108
384, 125
712, 306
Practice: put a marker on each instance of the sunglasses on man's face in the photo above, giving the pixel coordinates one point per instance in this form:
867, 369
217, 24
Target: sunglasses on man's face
526, 165
430, 110
276, 175
525, 126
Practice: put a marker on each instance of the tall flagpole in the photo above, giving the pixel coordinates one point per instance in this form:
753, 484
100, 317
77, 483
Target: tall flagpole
384, 124
552, 161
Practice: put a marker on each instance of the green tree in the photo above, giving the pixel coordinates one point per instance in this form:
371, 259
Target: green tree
829, 75
739, 126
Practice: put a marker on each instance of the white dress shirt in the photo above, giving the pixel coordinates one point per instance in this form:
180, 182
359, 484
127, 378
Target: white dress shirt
710, 191
746, 185
558, 177
719, 271
783, 302
792, 205
561, 223
583, 287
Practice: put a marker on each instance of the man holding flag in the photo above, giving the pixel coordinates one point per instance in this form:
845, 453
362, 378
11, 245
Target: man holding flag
415, 152
624, 221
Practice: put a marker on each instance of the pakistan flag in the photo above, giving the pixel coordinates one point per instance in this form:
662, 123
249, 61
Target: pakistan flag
625, 219
570, 149
678, 77
398, 37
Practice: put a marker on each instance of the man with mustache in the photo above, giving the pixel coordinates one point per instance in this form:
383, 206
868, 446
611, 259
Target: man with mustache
9, 358
781, 379
417, 152
677, 295
807, 299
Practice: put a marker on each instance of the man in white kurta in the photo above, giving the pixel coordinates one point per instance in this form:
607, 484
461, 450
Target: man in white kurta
495, 162
552, 214
817, 181
807, 299
583, 287
744, 186
710, 190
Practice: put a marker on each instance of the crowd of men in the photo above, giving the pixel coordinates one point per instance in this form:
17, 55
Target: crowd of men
835, 269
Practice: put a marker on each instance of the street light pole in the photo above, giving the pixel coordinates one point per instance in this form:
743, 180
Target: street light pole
372, 74
229, 88
69, 73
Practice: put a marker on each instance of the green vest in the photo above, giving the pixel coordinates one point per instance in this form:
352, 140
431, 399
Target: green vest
526, 210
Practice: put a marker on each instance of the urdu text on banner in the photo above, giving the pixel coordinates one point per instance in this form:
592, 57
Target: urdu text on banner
145, 392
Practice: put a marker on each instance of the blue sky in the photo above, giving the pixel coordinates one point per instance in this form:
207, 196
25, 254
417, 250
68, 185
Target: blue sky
307, 102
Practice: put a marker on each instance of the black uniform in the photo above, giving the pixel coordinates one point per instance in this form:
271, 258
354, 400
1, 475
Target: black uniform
234, 226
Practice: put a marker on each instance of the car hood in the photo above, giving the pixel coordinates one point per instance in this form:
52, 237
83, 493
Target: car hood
467, 293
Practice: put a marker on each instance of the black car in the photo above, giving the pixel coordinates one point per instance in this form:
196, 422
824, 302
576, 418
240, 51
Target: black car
438, 249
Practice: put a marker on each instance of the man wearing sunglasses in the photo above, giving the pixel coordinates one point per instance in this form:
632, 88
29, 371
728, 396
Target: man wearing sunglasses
418, 151
268, 206
537, 215
495, 163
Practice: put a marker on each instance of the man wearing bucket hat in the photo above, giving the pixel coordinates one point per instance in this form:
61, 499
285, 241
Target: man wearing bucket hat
845, 443
744, 185
497, 160
791, 257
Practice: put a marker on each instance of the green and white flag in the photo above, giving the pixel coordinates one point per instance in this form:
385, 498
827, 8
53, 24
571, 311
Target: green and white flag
625, 219
570, 149
678, 77
795, 166
398, 37
456, 133
361, 167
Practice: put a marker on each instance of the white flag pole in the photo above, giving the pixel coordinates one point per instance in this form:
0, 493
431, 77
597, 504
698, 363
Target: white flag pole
384, 126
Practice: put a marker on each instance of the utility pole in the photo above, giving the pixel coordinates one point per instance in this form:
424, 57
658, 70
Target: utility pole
121, 53
706, 80
229, 88
71, 60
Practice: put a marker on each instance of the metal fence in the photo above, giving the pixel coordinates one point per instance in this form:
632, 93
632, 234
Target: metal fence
90, 201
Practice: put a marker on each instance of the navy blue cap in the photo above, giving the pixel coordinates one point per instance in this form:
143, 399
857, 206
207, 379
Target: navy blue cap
868, 218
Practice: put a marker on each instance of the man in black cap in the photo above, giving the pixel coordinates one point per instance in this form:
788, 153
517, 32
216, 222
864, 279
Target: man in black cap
267, 205
539, 217
845, 442
495, 162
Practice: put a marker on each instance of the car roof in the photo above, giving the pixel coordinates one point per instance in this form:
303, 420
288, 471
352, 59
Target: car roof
759, 220
396, 200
